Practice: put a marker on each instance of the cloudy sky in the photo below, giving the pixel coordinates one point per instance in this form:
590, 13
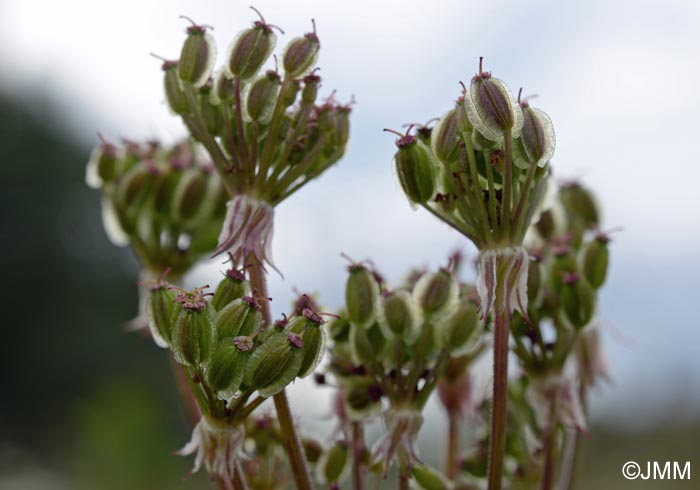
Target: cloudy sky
619, 80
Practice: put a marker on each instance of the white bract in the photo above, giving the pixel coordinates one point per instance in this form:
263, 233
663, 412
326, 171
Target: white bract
511, 279
248, 228
217, 445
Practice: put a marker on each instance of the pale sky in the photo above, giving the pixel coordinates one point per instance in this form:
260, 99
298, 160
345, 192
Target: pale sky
619, 79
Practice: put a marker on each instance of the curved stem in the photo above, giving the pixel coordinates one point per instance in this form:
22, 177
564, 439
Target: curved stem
550, 451
403, 481
357, 447
183, 388
239, 482
292, 443
222, 483
499, 413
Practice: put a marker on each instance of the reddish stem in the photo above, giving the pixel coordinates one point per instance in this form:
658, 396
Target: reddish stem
499, 415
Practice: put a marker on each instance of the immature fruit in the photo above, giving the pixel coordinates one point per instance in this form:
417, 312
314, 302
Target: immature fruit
250, 50
339, 328
361, 296
445, 137
491, 108
134, 186
595, 261
102, 166
159, 310
457, 332
212, 112
564, 263
415, 169
578, 300
428, 479
362, 396
401, 316
232, 287
194, 335
310, 90
275, 363
367, 344
262, 97
224, 88
174, 94
580, 204
301, 54
240, 317
537, 141
309, 326
436, 293
333, 464
225, 372
188, 195
197, 56
163, 197
342, 126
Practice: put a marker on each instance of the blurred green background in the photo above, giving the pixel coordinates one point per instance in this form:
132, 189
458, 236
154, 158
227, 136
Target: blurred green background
83, 404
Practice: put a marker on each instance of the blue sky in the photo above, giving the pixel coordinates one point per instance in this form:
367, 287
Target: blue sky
619, 80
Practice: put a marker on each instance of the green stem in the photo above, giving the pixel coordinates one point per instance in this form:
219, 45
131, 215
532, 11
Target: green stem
247, 164
398, 351
254, 142
229, 137
476, 188
248, 409
299, 169
290, 141
531, 207
468, 208
309, 177
499, 413
215, 405
270, 140
523, 199
507, 183
455, 226
292, 443
186, 394
492, 189
200, 132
